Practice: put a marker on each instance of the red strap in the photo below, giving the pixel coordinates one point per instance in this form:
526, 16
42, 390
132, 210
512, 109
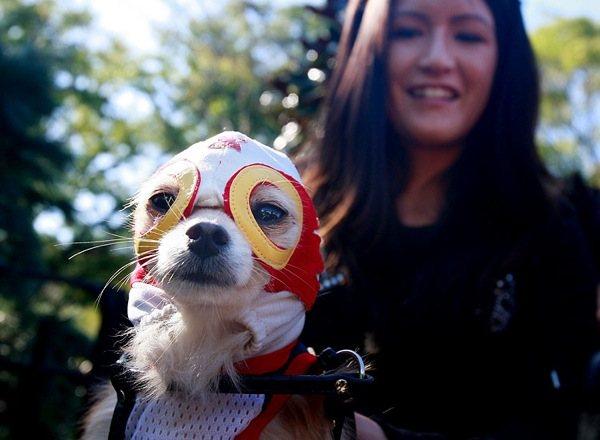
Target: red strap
267, 363
299, 365
139, 274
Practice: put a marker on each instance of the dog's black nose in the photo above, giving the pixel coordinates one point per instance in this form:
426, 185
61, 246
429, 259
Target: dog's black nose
207, 239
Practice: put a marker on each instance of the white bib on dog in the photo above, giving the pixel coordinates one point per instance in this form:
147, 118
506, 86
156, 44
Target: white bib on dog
222, 417
275, 320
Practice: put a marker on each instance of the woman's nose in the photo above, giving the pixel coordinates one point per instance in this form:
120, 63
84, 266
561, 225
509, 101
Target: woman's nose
437, 56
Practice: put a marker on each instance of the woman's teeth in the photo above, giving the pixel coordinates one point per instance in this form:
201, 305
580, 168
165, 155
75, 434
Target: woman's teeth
433, 92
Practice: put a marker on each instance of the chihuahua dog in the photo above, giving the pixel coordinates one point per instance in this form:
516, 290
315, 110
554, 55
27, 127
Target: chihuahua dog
227, 264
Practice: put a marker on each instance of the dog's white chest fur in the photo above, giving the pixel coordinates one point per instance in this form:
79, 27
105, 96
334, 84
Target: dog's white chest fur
220, 417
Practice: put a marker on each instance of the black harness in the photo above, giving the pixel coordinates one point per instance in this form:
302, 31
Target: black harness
342, 391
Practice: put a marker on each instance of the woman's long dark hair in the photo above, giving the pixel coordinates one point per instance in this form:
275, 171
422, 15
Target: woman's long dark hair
360, 167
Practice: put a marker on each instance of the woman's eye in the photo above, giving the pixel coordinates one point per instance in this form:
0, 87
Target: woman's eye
267, 214
405, 33
469, 37
162, 202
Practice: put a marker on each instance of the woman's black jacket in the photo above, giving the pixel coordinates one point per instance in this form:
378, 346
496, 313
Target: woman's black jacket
473, 335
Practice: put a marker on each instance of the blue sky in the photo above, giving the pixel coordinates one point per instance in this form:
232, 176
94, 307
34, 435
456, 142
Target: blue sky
538, 12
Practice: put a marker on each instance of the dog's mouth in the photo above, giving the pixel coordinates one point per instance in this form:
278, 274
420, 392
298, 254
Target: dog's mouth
212, 271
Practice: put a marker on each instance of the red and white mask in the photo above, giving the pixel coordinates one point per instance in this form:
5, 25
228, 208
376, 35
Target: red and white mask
226, 172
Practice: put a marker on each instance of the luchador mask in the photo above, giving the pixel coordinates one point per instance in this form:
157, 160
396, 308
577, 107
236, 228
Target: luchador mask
223, 172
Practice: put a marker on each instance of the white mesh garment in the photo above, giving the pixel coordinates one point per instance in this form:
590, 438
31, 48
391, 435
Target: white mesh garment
222, 418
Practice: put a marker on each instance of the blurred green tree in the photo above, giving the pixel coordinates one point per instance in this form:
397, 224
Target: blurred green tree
82, 127
31, 168
297, 89
569, 55
45, 327
215, 71
30, 160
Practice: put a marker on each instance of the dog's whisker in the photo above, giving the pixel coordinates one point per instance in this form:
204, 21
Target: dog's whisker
291, 273
119, 270
297, 268
157, 229
279, 279
149, 263
287, 271
127, 237
171, 277
113, 276
124, 248
152, 274
110, 240
149, 252
270, 275
93, 248
121, 283
133, 201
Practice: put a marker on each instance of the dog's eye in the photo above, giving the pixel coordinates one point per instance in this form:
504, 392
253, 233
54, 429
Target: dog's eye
268, 214
161, 202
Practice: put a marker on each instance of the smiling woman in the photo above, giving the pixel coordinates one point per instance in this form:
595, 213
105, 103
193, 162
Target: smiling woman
469, 278
441, 67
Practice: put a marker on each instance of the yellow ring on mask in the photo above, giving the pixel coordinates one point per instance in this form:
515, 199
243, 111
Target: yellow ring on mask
148, 242
239, 204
